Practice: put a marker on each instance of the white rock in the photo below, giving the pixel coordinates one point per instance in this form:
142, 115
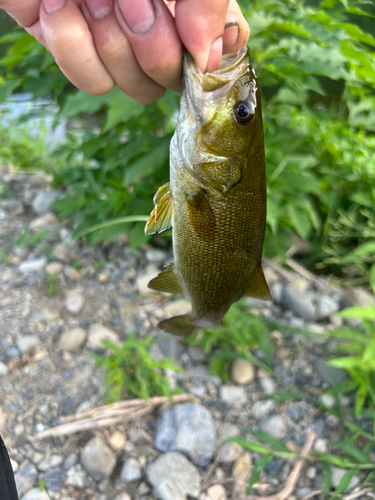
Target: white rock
328, 400
3, 369
27, 342
131, 471
268, 385
72, 339
122, 496
143, 280
48, 219
32, 265
54, 268
228, 452
74, 302
232, 394
117, 440
275, 426
321, 445
36, 494
177, 307
243, 371
217, 492
98, 459
97, 333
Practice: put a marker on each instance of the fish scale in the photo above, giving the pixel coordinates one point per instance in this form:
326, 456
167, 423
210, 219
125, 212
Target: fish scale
216, 198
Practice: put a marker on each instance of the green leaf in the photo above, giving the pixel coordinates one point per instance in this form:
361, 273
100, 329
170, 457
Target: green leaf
345, 481
372, 278
258, 468
121, 109
250, 445
354, 452
103, 225
327, 478
82, 102
275, 443
358, 312
347, 362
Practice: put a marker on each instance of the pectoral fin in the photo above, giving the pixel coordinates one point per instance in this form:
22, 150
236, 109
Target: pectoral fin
161, 217
258, 287
167, 281
179, 325
201, 216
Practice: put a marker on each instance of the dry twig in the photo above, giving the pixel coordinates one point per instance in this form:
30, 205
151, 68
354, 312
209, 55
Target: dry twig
291, 482
104, 416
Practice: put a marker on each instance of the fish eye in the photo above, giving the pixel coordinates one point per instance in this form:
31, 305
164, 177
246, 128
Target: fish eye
243, 112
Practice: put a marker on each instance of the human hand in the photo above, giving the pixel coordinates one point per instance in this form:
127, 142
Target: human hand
134, 44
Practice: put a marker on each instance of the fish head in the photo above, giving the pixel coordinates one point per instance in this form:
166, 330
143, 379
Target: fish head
221, 111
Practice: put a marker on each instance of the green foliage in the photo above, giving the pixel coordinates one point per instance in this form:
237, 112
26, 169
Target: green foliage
353, 459
53, 288
241, 332
130, 370
315, 65
358, 345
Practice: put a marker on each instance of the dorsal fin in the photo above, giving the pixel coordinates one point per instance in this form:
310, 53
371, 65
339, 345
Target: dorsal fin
201, 216
258, 287
166, 281
161, 217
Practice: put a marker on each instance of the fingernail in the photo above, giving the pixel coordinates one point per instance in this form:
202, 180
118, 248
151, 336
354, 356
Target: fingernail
99, 8
214, 59
230, 35
51, 6
139, 15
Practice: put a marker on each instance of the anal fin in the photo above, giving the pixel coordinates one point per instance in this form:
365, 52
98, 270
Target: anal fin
258, 287
179, 325
166, 281
161, 216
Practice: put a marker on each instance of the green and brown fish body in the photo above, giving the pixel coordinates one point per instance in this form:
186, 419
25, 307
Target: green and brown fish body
216, 198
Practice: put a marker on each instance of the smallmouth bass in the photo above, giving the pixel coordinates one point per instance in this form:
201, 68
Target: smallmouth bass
216, 197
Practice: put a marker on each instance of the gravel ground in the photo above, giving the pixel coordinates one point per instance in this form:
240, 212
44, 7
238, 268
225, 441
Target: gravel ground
55, 306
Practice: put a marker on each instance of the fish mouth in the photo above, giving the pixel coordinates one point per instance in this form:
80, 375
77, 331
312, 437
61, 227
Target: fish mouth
232, 66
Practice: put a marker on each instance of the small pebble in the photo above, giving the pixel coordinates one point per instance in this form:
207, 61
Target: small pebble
243, 371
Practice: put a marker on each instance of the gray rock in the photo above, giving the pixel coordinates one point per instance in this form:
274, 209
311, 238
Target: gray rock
72, 339
300, 303
189, 429
74, 302
43, 202
36, 494
70, 461
131, 471
232, 394
275, 426
27, 342
75, 476
50, 462
228, 452
325, 306
338, 474
97, 333
54, 479
173, 477
12, 207
25, 479
156, 256
3, 369
98, 459
32, 265
263, 408
3, 214
329, 374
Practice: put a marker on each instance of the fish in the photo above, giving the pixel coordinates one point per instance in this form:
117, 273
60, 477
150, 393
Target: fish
215, 200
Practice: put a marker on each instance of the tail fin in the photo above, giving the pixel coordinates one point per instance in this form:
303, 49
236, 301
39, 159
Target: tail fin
179, 325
